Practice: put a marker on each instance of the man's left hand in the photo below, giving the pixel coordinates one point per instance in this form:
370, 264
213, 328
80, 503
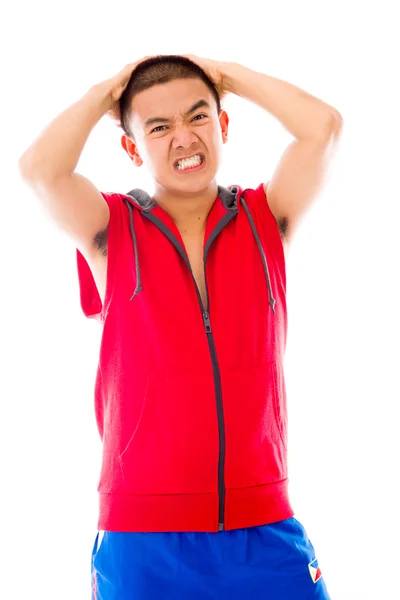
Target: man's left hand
214, 71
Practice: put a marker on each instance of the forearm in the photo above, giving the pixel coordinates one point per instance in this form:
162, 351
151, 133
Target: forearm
303, 115
58, 148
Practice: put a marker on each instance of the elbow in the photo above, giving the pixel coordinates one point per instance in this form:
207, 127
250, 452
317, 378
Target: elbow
25, 167
336, 124
331, 129
32, 170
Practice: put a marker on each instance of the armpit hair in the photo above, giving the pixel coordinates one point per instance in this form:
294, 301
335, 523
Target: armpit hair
282, 226
101, 240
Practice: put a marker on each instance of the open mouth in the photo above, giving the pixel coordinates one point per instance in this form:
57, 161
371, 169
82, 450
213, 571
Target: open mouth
192, 163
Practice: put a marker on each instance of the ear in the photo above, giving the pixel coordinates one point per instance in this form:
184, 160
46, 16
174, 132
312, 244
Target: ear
131, 149
224, 123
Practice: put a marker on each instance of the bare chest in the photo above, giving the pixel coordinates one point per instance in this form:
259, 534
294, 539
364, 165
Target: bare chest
194, 249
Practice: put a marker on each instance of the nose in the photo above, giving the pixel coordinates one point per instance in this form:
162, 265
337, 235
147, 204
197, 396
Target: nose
183, 137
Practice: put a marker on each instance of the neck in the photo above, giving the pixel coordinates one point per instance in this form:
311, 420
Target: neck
188, 210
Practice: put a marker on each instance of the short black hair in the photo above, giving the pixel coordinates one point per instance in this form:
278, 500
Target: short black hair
157, 70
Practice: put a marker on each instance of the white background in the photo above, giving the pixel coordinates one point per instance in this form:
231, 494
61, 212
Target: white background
343, 286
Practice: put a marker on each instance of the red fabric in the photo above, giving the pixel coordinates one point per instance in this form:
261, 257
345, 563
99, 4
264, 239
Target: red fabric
155, 396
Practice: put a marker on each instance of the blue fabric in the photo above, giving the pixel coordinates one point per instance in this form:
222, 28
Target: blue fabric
258, 563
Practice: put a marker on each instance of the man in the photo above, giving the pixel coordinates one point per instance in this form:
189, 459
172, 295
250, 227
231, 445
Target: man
189, 286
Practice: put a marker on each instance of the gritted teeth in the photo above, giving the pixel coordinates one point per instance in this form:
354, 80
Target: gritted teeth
187, 163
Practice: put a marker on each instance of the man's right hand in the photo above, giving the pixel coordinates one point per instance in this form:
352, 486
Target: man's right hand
116, 86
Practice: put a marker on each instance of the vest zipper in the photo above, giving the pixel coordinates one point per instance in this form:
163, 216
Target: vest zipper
210, 338
220, 413
218, 395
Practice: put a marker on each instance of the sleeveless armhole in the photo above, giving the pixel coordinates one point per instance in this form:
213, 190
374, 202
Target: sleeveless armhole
261, 207
266, 223
90, 300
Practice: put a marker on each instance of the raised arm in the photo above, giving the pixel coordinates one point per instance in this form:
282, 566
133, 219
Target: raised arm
48, 165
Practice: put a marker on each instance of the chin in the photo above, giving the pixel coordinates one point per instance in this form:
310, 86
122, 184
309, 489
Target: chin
194, 183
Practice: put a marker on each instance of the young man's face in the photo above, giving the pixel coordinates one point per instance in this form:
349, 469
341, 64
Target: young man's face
173, 121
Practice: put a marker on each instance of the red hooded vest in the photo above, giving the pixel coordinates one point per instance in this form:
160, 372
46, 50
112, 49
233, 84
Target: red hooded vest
191, 403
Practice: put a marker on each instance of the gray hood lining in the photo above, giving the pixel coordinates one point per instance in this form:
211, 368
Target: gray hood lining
230, 198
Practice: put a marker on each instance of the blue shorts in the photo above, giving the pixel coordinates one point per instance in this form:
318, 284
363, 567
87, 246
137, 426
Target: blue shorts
274, 562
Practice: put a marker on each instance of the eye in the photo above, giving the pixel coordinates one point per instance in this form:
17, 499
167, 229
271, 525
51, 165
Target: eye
159, 128
197, 116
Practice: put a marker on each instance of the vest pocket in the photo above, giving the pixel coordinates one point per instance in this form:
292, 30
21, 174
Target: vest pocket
279, 398
174, 446
254, 414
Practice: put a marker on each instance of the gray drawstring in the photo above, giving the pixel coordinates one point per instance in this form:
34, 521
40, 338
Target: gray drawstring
137, 267
223, 191
272, 300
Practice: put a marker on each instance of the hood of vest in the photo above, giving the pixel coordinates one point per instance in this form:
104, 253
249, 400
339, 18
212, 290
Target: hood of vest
231, 198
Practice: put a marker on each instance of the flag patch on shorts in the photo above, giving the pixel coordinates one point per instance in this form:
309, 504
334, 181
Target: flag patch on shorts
315, 571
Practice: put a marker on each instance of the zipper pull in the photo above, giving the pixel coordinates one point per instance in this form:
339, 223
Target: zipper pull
206, 319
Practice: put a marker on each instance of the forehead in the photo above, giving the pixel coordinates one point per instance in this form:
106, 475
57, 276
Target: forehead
169, 99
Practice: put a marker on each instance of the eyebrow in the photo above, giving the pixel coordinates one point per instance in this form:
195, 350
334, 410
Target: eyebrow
199, 104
